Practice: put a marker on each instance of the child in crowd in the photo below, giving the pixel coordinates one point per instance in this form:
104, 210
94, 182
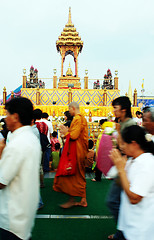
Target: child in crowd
90, 156
55, 155
54, 140
138, 118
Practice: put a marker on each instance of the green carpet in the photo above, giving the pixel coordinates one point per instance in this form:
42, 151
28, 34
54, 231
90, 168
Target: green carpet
74, 229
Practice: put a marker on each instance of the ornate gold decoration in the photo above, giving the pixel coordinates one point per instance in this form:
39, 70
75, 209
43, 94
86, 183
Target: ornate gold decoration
135, 98
69, 36
69, 71
69, 43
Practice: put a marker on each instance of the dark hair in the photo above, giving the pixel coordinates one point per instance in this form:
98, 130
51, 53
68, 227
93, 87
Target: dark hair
4, 131
45, 115
137, 134
116, 120
68, 115
90, 144
54, 134
125, 103
37, 114
138, 113
68, 123
23, 107
57, 146
102, 121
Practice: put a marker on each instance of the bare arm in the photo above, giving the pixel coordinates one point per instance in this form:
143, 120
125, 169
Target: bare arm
120, 163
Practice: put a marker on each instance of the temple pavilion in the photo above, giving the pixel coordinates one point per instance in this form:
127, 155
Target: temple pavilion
96, 102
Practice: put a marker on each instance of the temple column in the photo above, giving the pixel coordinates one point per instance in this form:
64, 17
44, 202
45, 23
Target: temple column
116, 82
24, 81
62, 65
37, 96
69, 95
54, 81
12, 95
105, 97
76, 67
4, 95
135, 98
86, 82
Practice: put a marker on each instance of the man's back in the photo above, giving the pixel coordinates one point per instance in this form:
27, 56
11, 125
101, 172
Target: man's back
50, 128
20, 173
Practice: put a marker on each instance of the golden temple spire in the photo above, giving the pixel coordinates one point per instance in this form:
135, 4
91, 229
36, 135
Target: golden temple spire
69, 16
130, 92
69, 24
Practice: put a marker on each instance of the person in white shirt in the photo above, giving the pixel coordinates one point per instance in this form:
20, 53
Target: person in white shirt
136, 217
19, 172
45, 118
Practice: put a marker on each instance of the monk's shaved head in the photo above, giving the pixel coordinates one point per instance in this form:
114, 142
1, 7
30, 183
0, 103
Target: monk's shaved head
74, 104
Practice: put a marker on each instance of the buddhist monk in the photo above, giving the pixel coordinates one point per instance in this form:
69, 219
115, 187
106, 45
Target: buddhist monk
75, 185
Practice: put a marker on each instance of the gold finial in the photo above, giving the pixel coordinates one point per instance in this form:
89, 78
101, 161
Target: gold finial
86, 71
116, 72
69, 71
69, 16
4, 89
24, 71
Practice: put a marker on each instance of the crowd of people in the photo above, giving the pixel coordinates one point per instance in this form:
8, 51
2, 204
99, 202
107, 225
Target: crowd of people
29, 147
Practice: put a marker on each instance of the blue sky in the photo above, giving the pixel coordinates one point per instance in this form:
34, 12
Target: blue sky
117, 35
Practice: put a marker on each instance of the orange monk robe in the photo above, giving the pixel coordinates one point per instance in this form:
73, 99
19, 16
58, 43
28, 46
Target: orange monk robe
76, 185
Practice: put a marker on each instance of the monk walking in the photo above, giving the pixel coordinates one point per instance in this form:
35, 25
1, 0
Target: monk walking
75, 185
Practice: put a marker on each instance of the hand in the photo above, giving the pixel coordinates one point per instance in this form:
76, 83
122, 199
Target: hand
118, 160
2, 146
63, 129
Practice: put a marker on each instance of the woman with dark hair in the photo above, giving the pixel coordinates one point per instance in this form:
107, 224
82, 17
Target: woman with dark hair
136, 174
67, 116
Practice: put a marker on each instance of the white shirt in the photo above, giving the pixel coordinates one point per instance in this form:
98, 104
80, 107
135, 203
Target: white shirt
36, 131
138, 121
137, 220
19, 171
50, 128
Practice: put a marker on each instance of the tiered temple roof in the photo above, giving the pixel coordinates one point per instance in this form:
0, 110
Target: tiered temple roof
69, 36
